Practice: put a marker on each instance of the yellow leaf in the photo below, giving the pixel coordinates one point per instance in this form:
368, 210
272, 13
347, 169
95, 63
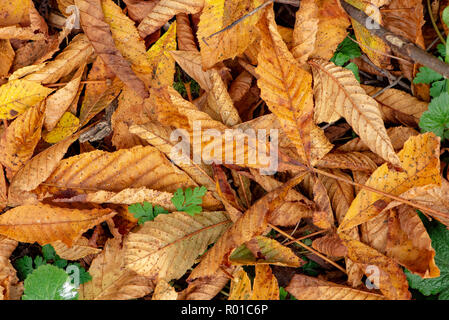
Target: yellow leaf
167, 246
338, 92
219, 14
44, 224
6, 57
265, 284
240, 286
162, 64
67, 125
16, 96
421, 165
263, 250
126, 37
164, 10
14, 12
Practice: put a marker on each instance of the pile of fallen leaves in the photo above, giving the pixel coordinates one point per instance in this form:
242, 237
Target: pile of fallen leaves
91, 92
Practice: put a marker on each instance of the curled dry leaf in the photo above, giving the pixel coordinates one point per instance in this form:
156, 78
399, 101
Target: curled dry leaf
111, 280
338, 92
100, 36
307, 288
167, 246
397, 106
331, 245
44, 224
164, 10
36, 171
184, 33
21, 137
420, 162
265, 285
78, 250
72, 57
263, 250
9, 283
355, 161
305, 32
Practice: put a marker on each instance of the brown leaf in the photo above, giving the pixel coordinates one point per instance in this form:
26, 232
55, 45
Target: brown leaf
184, 33
307, 288
44, 224
331, 245
305, 32
79, 250
100, 36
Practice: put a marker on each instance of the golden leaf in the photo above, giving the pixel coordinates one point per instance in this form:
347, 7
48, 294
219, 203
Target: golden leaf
305, 31
14, 12
6, 57
44, 224
167, 246
164, 10
111, 280
21, 137
240, 286
16, 96
337, 88
332, 25
421, 165
307, 288
265, 285
219, 14
164, 291
263, 250
67, 125
285, 87
162, 64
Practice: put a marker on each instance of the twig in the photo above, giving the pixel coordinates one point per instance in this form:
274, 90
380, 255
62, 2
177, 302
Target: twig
434, 24
391, 85
308, 248
305, 237
386, 73
399, 44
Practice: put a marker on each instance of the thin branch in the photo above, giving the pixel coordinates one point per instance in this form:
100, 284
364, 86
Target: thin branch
308, 248
434, 24
399, 44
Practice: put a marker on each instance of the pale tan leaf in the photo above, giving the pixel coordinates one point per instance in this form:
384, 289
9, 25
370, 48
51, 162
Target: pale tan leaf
307, 288
337, 88
79, 250
164, 10
111, 280
167, 246
164, 291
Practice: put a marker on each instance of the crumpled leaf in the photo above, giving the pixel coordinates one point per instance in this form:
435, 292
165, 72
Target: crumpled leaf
44, 224
164, 10
265, 285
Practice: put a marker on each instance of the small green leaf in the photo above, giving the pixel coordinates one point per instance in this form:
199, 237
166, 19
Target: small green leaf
355, 70
346, 51
48, 283
436, 118
427, 75
83, 274
48, 252
445, 16
189, 201
60, 263
144, 212
438, 87
24, 266
39, 261
441, 49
